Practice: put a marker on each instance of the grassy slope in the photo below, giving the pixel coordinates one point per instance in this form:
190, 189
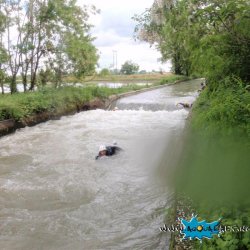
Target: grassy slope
215, 167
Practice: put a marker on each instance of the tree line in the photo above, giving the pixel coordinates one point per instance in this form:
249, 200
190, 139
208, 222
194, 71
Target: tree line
43, 40
206, 37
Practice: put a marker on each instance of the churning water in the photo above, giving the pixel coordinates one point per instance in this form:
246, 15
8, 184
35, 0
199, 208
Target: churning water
55, 195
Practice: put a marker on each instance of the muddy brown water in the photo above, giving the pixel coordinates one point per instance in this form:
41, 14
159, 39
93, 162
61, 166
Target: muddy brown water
55, 195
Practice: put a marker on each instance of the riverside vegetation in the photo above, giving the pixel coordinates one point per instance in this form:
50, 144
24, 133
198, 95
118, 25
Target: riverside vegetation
211, 38
49, 99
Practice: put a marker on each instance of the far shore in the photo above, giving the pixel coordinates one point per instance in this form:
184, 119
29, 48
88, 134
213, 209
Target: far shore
31, 108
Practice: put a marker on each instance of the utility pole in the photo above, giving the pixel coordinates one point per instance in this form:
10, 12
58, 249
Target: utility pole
115, 61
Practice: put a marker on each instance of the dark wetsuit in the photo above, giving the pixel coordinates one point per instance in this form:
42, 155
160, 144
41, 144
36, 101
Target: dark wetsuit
110, 150
186, 105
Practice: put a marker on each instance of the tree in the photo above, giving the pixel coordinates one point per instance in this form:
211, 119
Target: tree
104, 72
2, 79
143, 72
80, 53
45, 76
208, 37
47, 30
165, 24
3, 52
129, 68
224, 45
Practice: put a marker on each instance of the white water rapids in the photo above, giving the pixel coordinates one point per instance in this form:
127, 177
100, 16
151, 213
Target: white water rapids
55, 195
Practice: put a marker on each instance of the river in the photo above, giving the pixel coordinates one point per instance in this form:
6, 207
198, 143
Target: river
55, 195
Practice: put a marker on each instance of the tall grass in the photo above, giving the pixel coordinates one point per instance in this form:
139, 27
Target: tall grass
225, 108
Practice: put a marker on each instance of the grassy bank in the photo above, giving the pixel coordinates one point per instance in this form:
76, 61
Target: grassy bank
224, 108
52, 100
214, 170
21, 105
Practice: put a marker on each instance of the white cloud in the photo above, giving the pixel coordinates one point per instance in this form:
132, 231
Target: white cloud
114, 31
109, 38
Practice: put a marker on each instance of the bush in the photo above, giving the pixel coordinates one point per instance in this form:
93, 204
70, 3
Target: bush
104, 72
223, 108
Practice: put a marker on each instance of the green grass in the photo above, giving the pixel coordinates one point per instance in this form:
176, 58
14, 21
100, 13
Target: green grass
224, 108
150, 77
21, 105
173, 78
214, 169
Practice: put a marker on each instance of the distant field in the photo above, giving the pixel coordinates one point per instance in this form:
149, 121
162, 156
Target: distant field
152, 77
121, 78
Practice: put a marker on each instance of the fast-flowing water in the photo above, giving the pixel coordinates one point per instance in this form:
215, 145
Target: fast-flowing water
55, 195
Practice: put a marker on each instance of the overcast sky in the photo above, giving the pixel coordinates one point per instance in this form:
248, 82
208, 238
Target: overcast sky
114, 32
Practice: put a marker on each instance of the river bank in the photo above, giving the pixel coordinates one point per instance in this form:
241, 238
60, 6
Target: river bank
213, 169
28, 109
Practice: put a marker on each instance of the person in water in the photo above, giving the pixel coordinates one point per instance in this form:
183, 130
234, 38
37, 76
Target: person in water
203, 86
185, 105
107, 151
